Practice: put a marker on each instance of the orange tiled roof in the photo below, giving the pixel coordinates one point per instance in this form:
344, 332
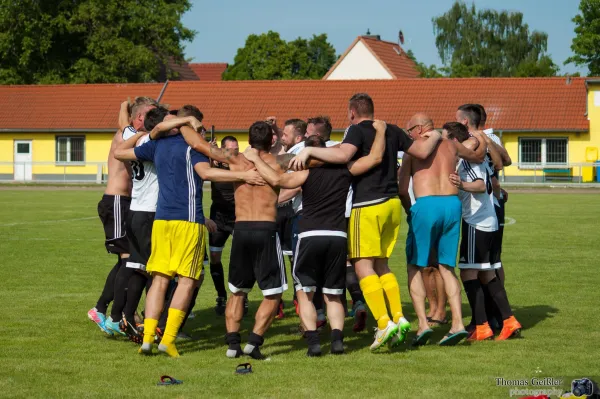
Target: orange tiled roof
209, 71
511, 103
93, 106
516, 104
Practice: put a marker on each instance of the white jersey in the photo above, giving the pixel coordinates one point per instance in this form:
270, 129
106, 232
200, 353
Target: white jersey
297, 200
129, 132
144, 194
490, 133
331, 143
477, 208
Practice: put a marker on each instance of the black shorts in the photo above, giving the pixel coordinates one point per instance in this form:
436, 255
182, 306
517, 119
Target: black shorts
478, 249
225, 220
139, 235
256, 256
285, 214
320, 262
112, 210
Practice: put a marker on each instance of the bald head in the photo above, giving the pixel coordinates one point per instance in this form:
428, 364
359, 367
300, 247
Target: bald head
419, 123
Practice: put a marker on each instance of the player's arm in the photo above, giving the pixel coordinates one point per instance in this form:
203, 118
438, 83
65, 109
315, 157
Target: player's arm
124, 115
421, 149
494, 154
476, 155
506, 159
474, 181
404, 174
125, 151
277, 179
200, 145
228, 176
375, 156
339, 155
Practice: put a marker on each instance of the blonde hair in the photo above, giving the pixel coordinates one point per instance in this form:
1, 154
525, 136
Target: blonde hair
139, 104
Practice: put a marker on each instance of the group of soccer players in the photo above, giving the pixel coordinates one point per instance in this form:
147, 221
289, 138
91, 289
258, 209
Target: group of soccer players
336, 207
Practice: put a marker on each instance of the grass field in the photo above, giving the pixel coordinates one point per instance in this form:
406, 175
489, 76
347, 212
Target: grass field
54, 266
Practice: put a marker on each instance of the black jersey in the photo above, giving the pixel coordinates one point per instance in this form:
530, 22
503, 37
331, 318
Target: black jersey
324, 197
222, 193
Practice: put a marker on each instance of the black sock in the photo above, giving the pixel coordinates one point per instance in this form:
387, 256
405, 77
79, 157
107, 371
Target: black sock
233, 340
498, 294
314, 344
476, 300
191, 307
109, 289
318, 300
135, 288
255, 339
491, 310
120, 295
353, 285
337, 335
218, 278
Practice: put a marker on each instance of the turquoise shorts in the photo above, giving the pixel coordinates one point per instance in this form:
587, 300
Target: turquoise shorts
434, 226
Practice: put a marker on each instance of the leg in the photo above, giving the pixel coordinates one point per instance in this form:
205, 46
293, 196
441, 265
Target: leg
336, 314
391, 288
120, 295
263, 319
233, 318
372, 289
108, 292
476, 299
177, 311
430, 292
216, 271
417, 293
154, 305
308, 316
440, 294
452, 288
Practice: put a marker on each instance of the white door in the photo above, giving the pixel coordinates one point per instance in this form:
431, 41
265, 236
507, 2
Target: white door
22, 160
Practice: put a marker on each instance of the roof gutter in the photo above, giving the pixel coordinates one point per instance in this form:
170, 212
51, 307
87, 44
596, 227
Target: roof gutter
162, 91
543, 130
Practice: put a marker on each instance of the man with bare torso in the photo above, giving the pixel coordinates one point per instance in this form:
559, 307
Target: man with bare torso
434, 222
114, 205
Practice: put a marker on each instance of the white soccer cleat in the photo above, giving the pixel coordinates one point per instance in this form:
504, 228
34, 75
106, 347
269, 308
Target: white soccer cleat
383, 336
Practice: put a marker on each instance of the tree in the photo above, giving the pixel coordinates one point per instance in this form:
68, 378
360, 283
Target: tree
424, 70
269, 57
587, 42
86, 41
490, 43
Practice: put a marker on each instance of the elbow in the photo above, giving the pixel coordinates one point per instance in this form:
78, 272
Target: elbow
119, 155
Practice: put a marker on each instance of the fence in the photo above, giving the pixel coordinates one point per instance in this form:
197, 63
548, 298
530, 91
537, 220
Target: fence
96, 172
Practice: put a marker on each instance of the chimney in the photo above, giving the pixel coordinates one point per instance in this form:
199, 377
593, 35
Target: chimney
370, 36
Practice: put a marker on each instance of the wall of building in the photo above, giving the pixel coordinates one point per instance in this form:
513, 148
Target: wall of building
359, 63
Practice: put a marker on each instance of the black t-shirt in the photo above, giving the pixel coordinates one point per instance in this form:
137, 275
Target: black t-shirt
222, 194
324, 196
380, 183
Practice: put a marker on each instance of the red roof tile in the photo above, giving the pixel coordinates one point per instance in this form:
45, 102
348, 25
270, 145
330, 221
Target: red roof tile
536, 104
184, 71
209, 71
67, 106
511, 103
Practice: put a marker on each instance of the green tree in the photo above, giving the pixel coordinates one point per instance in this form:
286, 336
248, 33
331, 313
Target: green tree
86, 41
586, 43
490, 43
425, 71
269, 57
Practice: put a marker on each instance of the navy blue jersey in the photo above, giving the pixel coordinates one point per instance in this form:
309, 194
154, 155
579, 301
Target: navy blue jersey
180, 187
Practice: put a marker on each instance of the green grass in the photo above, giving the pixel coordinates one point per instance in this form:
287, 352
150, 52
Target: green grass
53, 272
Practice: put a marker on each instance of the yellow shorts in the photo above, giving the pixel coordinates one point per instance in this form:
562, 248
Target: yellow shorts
177, 248
373, 230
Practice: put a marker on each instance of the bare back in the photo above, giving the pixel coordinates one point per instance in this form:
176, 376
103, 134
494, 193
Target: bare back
256, 203
119, 173
430, 176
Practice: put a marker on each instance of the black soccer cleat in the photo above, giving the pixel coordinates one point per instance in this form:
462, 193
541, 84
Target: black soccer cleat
314, 351
337, 347
130, 329
254, 352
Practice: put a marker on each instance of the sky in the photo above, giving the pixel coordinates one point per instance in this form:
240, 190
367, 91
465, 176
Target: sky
222, 26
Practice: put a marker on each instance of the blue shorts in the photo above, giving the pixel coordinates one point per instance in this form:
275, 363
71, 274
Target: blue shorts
434, 227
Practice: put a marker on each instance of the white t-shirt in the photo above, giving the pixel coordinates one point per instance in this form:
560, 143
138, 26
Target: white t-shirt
331, 143
144, 194
297, 200
490, 133
129, 132
477, 208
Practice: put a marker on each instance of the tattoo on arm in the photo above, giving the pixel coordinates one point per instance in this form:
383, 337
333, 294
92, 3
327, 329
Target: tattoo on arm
283, 161
222, 153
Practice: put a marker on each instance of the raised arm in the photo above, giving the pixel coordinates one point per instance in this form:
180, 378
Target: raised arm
125, 150
364, 164
478, 155
421, 149
340, 155
404, 174
197, 143
226, 176
494, 154
124, 115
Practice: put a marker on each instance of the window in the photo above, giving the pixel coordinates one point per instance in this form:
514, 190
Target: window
541, 152
22, 148
70, 149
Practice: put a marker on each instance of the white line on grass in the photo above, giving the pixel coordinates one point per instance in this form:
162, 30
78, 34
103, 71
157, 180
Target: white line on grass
47, 221
509, 221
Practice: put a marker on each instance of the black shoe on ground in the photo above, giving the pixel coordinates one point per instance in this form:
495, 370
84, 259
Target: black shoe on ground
131, 331
254, 352
314, 351
337, 347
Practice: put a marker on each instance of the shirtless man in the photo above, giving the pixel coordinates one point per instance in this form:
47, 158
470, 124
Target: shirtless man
435, 222
114, 204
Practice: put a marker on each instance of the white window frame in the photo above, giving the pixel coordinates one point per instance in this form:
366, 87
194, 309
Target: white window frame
68, 161
544, 164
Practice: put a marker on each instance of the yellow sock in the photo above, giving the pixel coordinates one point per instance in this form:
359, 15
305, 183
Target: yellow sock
149, 330
174, 321
392, 292
373, 293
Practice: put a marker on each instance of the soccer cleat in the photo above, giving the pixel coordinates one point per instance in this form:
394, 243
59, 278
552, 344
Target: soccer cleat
158, 336
183, 335
113, 327
145, 349
99, 319
360, 316
254, 352
383, 336
337, 347
220, 306
131, 331
245, 306
280, 314
314, 351
481, 333
234, 351
170, 350
511, 329
403, 329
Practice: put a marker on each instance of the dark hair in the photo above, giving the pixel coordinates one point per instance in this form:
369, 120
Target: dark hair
456, 130
227, 138
482, 114
260, 136
472, 113
315, 141
154, 117
299, 126
323, 125
190, 110
362, 104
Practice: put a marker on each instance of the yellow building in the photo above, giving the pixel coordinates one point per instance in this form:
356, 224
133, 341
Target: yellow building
63, 132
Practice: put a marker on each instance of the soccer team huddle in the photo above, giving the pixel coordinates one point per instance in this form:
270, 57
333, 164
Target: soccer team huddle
334, 208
